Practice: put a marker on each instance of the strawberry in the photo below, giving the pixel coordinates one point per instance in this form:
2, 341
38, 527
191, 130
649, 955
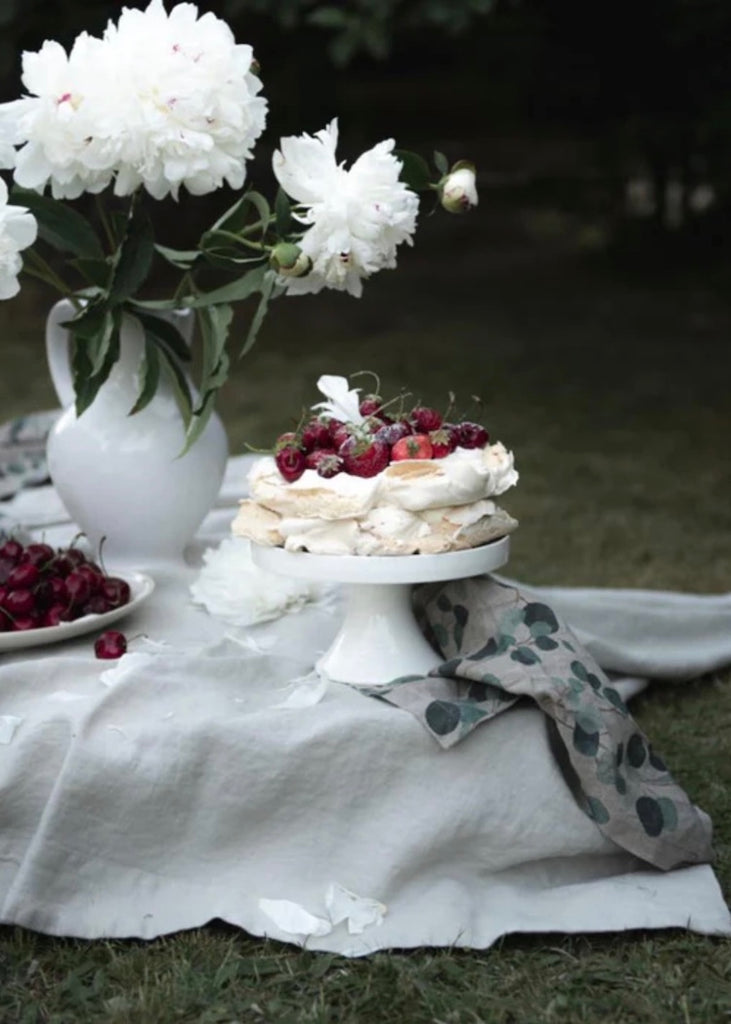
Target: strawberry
443, 441
425, 419
290, 461
316, 434
324, 461
364, 456
415, 446
471, 435
339, 434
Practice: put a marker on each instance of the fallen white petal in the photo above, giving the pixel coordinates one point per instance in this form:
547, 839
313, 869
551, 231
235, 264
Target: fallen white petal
260, 646
8, 726
125, 667
359, 911
293, 918
307, 691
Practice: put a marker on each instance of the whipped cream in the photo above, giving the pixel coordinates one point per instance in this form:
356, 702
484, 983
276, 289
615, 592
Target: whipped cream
463, 476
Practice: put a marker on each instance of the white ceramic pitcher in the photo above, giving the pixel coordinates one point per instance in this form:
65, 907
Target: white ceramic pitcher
122, 477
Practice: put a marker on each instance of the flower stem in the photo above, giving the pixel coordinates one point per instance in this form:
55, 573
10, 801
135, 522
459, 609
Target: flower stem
105, 223
239, 237
35, 265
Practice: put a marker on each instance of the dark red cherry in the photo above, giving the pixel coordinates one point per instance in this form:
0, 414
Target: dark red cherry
92, 574
24, 622
51, 590
76, 556
78, 588
19, 603
96, 605
111, 644
55, 615
115, 590
38, 554
24, 576
12, 550
62, 565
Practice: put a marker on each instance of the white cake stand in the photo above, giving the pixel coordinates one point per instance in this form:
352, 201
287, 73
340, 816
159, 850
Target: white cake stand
379, 638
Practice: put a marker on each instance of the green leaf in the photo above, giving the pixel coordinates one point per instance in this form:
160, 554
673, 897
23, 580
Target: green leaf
235, 218
150, 374
261, 311
441, 163
282, 213
173, 369
215, 324
414, 170
95, 271
166, 333
199, 421
183, 259
134, 256
60, 225
95, 349
106, 344
224, 258
234, 291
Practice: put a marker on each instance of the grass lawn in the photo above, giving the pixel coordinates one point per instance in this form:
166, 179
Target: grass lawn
613, 390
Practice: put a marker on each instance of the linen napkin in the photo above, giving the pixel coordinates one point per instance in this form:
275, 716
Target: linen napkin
501, 647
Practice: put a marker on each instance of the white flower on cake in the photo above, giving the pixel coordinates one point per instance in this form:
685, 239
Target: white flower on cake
162, 100
357, 218
343, 402
18, 230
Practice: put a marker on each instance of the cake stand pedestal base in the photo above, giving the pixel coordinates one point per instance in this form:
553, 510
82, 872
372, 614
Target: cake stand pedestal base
379, 639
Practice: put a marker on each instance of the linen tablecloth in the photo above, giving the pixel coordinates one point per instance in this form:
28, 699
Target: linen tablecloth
209, 775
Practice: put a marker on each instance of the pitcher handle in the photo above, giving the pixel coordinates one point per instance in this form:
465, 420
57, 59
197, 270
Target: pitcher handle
57, 351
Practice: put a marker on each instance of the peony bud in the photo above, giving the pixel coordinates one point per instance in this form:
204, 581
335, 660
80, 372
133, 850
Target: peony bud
289, 260
458, 191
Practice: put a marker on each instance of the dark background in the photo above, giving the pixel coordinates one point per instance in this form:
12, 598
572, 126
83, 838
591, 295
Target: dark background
570, 105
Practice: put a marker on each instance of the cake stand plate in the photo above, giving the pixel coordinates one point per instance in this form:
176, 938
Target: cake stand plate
379, 639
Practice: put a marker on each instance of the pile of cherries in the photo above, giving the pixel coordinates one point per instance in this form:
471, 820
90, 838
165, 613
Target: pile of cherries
40, 586
331, 446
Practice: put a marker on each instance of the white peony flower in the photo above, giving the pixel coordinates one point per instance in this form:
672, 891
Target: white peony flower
162, 100
56, 126
18, 230
459, 190
356, 218
189, 109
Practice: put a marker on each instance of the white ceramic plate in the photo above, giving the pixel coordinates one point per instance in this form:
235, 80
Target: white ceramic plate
450, 565
140, 585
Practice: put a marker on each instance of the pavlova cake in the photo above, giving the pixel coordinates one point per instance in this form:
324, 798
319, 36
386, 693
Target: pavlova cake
360, 478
